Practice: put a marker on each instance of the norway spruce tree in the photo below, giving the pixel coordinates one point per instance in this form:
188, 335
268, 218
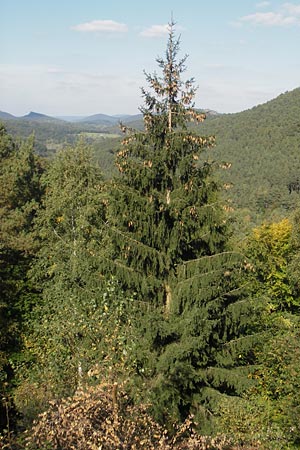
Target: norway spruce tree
170, 239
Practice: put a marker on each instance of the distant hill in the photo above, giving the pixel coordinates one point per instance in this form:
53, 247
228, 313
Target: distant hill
209, 112
133, 118
95, 119
104, 119
38, 117
53, 133
262, 145
71, 118
5, 115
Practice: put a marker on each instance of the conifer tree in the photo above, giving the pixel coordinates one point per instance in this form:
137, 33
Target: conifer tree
20, 194
20, 172
170, 246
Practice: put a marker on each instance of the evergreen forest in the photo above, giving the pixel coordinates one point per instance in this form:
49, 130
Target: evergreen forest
150, 294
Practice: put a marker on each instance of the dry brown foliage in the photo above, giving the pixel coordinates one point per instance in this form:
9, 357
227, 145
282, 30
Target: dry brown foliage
96, 419
104, 418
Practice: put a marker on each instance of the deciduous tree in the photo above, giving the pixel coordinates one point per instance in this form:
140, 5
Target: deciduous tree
66, 326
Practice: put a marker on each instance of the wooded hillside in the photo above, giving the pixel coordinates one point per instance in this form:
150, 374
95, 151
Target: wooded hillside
262, 146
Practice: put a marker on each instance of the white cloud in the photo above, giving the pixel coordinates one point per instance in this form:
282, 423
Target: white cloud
263, 4
105, 26
155, 31
269, 19
292, 9
288, 14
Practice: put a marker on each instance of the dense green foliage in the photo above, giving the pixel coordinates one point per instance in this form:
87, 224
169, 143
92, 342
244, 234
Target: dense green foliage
170, 247
262, 146
51, 136
20, 194
269, 411
133, 295
271, 249
69, 227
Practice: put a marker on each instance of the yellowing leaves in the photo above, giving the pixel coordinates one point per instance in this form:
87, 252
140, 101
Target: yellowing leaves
271, 247
274, 235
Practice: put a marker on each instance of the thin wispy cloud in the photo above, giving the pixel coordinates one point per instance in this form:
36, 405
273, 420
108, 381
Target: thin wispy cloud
155, 31
293, 9
269, 19
287, 15
214, 66
263, 5
103, 26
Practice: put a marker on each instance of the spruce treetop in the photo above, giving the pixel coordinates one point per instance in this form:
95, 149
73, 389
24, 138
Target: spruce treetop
169, 95
168, 108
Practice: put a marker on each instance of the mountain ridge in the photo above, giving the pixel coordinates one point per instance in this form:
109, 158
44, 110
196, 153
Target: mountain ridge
261, 144
94, 119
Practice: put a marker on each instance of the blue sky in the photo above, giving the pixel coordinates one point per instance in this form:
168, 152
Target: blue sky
81, 57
